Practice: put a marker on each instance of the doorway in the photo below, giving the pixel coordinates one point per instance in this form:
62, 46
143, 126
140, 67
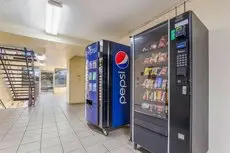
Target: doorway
47, 82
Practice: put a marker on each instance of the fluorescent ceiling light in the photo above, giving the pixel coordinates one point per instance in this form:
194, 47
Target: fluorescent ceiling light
53, 16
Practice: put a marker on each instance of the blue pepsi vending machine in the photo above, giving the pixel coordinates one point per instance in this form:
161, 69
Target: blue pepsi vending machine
107, 85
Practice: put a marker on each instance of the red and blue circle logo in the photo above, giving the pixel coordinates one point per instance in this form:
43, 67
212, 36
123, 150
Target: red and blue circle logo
122, 60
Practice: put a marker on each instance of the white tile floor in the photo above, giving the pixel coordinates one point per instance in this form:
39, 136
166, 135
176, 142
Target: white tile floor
55, 127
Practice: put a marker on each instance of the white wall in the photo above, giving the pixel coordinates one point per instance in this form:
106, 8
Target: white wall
216, 16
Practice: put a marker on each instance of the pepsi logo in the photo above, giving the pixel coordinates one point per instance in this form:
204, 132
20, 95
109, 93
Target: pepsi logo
122, 60
91, 50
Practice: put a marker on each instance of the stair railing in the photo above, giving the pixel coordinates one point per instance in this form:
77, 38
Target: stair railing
1, 102
28, 72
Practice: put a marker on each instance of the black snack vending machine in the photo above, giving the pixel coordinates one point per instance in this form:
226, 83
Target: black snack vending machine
170, 88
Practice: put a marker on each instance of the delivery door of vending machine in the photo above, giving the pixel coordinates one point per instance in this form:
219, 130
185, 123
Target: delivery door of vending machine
91, 107
150, 95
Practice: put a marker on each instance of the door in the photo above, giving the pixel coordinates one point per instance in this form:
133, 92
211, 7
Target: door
151, 88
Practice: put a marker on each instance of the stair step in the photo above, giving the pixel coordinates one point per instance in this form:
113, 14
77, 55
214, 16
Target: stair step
22, 81
18, 65
21, 95
18, 77
16, 49
16, 74
20, 70
16, 55
17, 60
21, 99
23, 87
17, 90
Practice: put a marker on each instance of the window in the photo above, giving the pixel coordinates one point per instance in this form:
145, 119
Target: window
60, 77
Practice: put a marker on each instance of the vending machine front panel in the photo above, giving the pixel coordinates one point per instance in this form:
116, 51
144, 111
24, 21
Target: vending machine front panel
120, 84
150, 129
92, 83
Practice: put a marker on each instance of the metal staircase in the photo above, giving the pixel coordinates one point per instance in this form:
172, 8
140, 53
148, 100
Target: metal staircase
17, 66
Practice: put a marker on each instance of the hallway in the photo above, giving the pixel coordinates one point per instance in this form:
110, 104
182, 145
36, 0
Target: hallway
55, 127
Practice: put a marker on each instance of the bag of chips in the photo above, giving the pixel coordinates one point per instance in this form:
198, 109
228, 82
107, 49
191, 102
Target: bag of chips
163, 41
164, 84
159, 95
164, 71
163, 57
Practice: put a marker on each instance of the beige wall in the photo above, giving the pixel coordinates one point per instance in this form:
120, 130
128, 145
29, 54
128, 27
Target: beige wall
4, 93
215, 15
57, 54
76, 80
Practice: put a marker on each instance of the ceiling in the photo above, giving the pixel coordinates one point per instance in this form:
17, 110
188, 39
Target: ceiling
81, 20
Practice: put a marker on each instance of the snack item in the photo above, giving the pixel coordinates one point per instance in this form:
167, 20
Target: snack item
147, 71
153, 84
147, 83
145, 105
146, 95
151, 108
164, 71
166, 109
164, 84
144, 83
163, 41
153, 46
147, 60
145, 49
150, 83
159, 95
158, 82
155, 95
151, 97
159, 109
162, 57
155, 57
155, 71
163, 97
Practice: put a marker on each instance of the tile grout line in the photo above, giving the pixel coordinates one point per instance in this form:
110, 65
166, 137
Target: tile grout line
108, 151
25, 130
42, 126
58, 130
72, 127
11, 126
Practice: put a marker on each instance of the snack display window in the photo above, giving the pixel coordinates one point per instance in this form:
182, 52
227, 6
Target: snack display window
151, 72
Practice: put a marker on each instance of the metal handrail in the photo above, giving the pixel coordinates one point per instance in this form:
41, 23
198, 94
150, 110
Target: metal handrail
30, 85
2, 104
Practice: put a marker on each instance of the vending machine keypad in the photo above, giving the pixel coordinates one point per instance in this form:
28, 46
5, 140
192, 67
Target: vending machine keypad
182, 60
